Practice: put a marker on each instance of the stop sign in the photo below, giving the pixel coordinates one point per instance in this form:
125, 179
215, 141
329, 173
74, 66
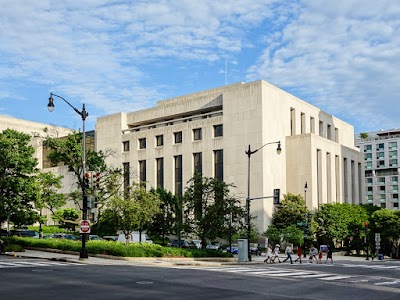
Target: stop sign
84, 226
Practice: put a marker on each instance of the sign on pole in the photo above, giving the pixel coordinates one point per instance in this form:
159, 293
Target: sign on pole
84, 226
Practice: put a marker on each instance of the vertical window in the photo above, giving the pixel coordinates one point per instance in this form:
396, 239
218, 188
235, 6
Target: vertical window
218, 130
369, 181
328, 132
198, 164
292, 121
142, 143
219, 165
125, 146
312, 125
392, 145
160, 172
367, 148
125, 167
178, 175
178, 137
142, 171
197, 134
302, 123
321, 128
380, 147
160, 140
336, 135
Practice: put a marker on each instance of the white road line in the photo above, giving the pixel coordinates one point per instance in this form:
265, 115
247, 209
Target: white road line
294, 274
335, 277
387, 283
316, 275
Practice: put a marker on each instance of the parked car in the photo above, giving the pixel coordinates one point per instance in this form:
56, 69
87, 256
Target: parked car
94, 237
110, 238
183, 244
234, 249
255, 249
214, 246
197, 243
25, 233
66, 236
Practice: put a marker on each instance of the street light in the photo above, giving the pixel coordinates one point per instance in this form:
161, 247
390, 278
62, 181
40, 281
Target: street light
249, 153
83, 254
305, 228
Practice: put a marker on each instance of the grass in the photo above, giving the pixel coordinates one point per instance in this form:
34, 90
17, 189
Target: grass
114, 248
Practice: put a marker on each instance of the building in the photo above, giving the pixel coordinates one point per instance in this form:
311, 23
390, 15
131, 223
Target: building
380, 150
211, 130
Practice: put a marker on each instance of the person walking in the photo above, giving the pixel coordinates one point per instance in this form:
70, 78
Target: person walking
329, 255
268, 254
313, 253
288, 252
298, 254
276, 253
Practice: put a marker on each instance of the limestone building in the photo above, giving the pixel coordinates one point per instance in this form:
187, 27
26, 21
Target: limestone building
381, 152
211, 130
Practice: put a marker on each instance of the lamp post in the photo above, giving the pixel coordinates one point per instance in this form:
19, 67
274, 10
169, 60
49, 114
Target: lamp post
249, 152
83, 254
305, 204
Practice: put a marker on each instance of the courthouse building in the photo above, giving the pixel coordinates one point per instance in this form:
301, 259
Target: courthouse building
210, 131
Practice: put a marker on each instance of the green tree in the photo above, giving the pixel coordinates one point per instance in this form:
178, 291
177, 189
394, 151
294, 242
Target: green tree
291, 211
68, 218
273, 234
363, 135
209, 207
293, 235
107, 224
134, 207
17, 180
387, 223
164, 222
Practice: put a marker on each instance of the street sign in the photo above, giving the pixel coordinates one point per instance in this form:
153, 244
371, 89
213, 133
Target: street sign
84, 226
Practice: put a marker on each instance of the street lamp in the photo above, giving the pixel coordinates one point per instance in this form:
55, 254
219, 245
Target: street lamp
305, 194
249, 153
305, 228
83, 254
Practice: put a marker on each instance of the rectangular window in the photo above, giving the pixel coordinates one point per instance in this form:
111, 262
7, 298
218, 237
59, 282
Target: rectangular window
218, 130
369, 181
367, 156
302, 123
393, 163
178, 175
126, 170
382, 189
312, 125
395, 179
395, 197
160, 140
142, 171
367, 148
197, 162
395, 189
381, 180
380, 155
370, 197
381, 164
370, 190
142, 143
219, 165
392, 145
382, 197
292, 121
321, 128
178, 137
380, 147
393, 154
368, 165
125, 146
328, 132
160, 172
336, 135
197, 134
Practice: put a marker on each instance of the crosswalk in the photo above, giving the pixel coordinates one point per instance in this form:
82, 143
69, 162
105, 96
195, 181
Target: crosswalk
24, 264
298, 273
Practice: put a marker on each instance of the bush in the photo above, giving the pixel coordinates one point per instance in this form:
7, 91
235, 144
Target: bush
49, 229
116, 248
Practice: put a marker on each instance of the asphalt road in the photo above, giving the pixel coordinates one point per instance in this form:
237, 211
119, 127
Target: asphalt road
23, 278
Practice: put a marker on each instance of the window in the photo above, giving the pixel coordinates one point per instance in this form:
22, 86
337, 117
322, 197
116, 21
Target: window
382, 189
302, 123
218, 130
312, 125
393, 163
219, 165
142, 170
160, 140
395, 197
126, 167
178, 137
292, 121
178, 175
380, 155
367, 148
336, 135
142, 143
383, 205
197, 163
381, 164
321, 128
395, 205
329, 133
369, 190
125, 146
197, 134
393, 154
369, 181
395, 179
368, 165
382, 197
367, 156
370, 197
380, 147
395, 189
392, 145
160, 172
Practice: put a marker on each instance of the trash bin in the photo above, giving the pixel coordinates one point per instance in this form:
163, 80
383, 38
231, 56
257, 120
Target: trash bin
243, 253
380, 256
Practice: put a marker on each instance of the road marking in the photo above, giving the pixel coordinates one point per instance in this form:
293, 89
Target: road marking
24, 264
335, 277
387, 283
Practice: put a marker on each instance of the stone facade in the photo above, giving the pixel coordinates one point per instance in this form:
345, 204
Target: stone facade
161, 145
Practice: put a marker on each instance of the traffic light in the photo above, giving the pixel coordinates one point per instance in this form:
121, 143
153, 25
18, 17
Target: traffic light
96, 180
309, 215
277, 194
87, 181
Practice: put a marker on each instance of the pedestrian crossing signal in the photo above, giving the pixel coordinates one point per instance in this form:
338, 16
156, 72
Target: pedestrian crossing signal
277, 194
96, 180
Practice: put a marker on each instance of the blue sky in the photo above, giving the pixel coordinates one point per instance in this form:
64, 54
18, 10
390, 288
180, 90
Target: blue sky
342, 56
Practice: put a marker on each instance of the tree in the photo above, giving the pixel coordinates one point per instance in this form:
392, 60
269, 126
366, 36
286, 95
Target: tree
273, 234
164, 222
68, 218
363, 135
133, 207
209, 209
293, 235
291, 211
107, 224
387, 223
17, 181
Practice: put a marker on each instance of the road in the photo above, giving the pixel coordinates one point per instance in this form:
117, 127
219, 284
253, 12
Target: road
24, 278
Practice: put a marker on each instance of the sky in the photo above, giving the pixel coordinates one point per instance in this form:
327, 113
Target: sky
342, 56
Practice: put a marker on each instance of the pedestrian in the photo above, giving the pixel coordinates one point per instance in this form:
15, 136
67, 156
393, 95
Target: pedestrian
1, 246
288, 252
319, 257
268, 254
313, 253
329, 255
298, 254
276, 253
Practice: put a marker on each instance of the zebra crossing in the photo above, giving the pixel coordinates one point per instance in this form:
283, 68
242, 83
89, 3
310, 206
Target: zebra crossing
24, 264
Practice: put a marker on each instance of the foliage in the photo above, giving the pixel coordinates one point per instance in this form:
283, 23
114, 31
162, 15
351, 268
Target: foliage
49, 229
209, 210
115, 248
273, 234
291, 211
17, 181
387, 223
133, 208
107, 224
66, 215
164, 222
363, 135
293, 235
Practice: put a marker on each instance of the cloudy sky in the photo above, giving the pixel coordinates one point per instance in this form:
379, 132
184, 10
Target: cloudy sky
342, 56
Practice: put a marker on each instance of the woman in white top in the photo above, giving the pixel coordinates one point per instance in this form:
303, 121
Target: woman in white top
268, 254
276, 253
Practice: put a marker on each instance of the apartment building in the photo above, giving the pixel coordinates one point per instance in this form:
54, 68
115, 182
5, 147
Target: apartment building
381, 176
210, 131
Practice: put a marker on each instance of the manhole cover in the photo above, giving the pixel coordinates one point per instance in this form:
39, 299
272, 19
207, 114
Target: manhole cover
144, 282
